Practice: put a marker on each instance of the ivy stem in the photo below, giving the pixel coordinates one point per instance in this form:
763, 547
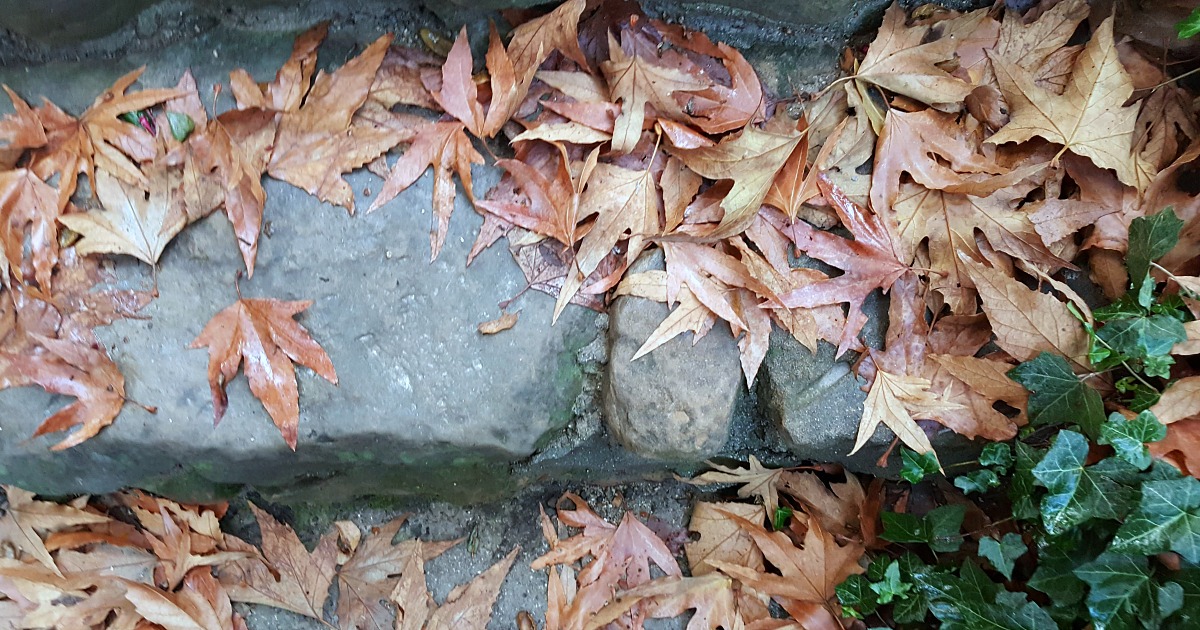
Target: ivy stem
1126, 364
1173, 276
1176, 78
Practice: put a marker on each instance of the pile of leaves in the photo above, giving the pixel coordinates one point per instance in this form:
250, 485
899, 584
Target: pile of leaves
134, 560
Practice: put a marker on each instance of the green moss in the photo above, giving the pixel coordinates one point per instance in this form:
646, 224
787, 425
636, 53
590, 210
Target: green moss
191, 484
355, 457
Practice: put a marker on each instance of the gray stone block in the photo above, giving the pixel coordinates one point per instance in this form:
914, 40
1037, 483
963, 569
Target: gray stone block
676, 403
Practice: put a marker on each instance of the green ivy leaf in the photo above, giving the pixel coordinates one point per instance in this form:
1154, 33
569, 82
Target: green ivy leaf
891, 587
780, 518
997, 455
1057, 396
1126, 306
181, 125
977, 481
1078, 493
1058, 557
1003, 553
1121, 590
1188, 615
1143, 337
1150, 238
1022, 487
1167, 518
1129, 437
916, 466
970, 601
1190, 25
938, 529
856, 596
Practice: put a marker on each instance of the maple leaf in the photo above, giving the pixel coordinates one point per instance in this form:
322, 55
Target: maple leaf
904, 60
458, 95
398, 81
1027, 322
533, 41
717, 108
262, 332
870, 261
467, 606
27, 203
371, 575
809, 574
977, 384
292, 81
553, 206
751, 160
98, 138
20, 130
202, 604
132, 221
446, 148
1180, 446
635, 82
286, 576
756, 481
898, 400
1181, 400
322, 139
1088, 119
173, 547
25, 517
1030, 45
721, 539
623, 200
839, 507
711, 596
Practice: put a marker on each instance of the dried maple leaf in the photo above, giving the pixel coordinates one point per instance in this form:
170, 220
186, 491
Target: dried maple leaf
132, 221
551, 204
25, 517
286, 576
500, 324
371, 575
1180, 401
1088, 119
448, 150
905, 60
174, 550
398, 81
839, 507
870, 262
711, 596
27, 203
897, 401
19, 131
756, 481
1030, 44
533, 41
292, 81
262, 332
718, 108
202, 604
98, 138
751, 160
624, 201
458, 95
467, 606
1180, 446
808, 574
322, 139
1025, 321
635, 82
720, 539
976, 384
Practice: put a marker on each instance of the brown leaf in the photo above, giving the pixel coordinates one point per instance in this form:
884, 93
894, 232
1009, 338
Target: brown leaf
287, 576
1027, 322
292, 81
322, 139
373, 573
905, 60
898, 401
262, 332
470, 605
448, 150
500, 324
870, 262
756, 480
635, 82
28, 203
1088, 119
202, 604
25, 517
751, 161
720, 538
712, 597
1180, 446
1180, 401
398, 81
19, 131
533, 41
1030, 44
132, 221
838, 506
977, 384
808, 574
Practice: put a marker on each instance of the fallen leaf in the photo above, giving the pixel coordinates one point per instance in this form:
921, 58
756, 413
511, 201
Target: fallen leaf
635, 82
720, 539
262, 332
286, 576
292, 81
905, 60
839, 507
470, 605
448, 150
500, 324
28, 204
19, 131
1089, 118
1181, 400
322, 139
756, 481
24, 517
977, 385
898, 401
711, 597
132, 221
1025, 321
202, 604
